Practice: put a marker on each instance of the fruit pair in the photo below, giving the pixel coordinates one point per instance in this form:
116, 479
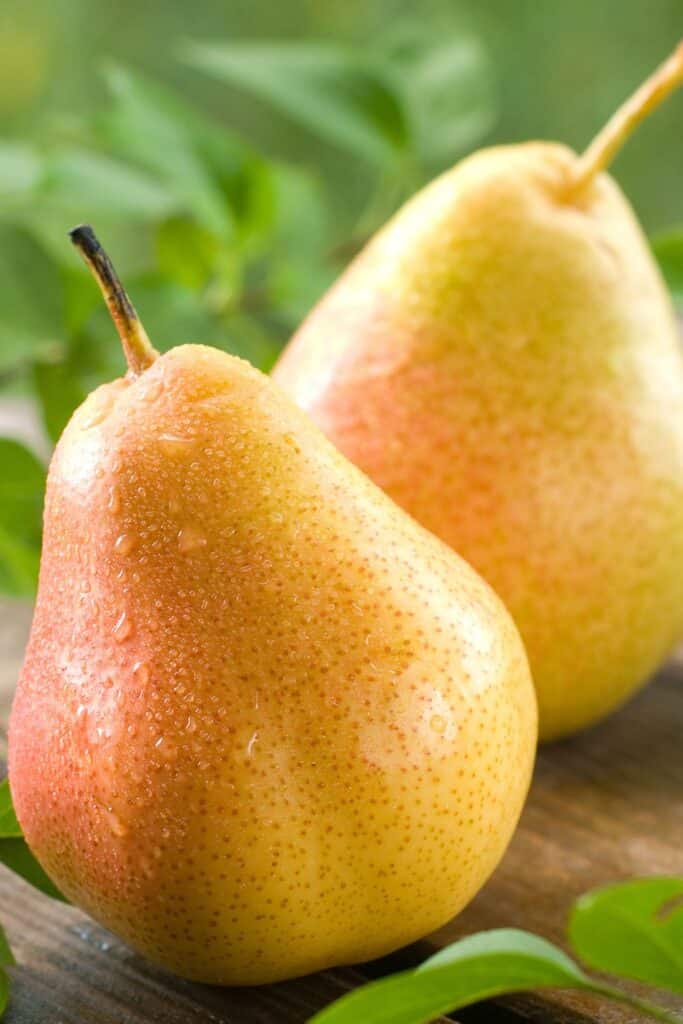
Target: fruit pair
266, 722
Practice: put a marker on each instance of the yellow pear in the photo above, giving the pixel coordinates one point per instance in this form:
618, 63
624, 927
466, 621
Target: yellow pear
266, 722
503, 360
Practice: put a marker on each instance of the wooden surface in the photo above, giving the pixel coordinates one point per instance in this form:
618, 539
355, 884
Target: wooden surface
604, 806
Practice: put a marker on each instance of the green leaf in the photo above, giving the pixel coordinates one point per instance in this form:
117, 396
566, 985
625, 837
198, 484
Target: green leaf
217, 175
633, 929
242, 177
22, 482
31, 312
59, 393
6, 960
80, 298
513, 948
668, 250
447, 88
186, 252
15, 854
19, 565
22, 486
300, 270
20, 170
9, 826
476, 968
148, 126
340, 96
87, 186
6, 957
4, 992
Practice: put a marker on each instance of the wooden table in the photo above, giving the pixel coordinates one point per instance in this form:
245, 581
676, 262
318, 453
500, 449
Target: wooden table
604, 806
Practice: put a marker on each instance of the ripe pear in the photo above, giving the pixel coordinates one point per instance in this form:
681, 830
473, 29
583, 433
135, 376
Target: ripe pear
503, 360
266, 723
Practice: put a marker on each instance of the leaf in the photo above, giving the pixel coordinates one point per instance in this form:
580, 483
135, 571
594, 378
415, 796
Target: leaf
31, 312
633, 929
15, 854
186, 252
80, 298
220, 169
300, 270
22, 486
447, 89
87, 186
509, 946
20, 170
59, 393
242, 176
6, 957
4, 992
9, 826
476, 968
6, 960
668, 250
22, 482
340, 96
19, 565
148, 126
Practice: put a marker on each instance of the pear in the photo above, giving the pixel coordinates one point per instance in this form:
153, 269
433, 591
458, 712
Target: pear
266, 723
503, 360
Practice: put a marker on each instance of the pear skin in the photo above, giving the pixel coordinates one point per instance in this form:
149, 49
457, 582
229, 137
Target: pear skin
503, 360
266, 723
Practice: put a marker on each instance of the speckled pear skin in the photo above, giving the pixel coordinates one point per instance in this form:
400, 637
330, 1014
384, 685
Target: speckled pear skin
504, 362
266, 722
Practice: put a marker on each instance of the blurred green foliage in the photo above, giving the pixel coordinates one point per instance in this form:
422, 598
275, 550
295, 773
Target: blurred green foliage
229, 213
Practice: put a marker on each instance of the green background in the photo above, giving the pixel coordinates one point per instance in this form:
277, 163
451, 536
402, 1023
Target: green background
234, 155
559, 68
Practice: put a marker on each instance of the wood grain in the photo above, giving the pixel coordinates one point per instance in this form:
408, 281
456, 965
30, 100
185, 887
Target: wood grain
604, 806
74, 972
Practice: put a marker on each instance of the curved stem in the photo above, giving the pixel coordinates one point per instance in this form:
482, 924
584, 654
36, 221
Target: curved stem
644, 100
136, 345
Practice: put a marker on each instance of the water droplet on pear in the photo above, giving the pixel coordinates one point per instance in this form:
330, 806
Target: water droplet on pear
125, 544
189, 539
123, 628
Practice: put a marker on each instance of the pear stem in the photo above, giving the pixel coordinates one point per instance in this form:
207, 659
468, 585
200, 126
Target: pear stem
136, 345
654, 90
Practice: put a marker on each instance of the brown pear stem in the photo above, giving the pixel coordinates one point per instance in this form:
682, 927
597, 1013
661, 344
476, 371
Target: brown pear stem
136, 345
644, 100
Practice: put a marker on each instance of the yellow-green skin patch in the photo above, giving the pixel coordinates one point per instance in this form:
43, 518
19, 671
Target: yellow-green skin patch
506, 365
